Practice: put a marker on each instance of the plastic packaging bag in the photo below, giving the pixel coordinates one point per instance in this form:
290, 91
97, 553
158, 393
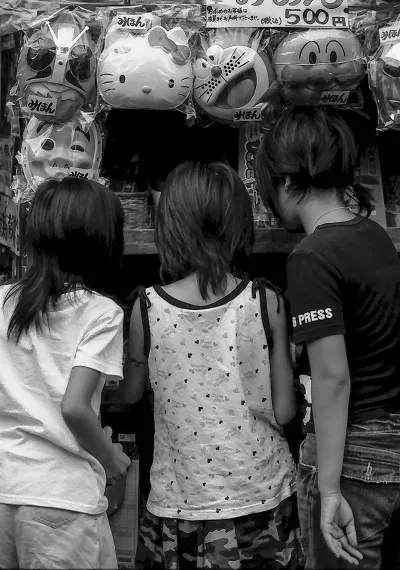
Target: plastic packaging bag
384, 71
147, 58
57, 150
57, 67
320, 66
234, 77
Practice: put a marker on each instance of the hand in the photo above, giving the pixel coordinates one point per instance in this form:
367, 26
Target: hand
337, 525
118, 468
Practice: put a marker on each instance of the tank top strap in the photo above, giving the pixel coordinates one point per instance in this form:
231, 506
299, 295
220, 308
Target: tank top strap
260, 284
145, 304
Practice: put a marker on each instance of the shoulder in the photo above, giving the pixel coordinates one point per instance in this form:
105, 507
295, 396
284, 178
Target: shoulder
5, 289
101, 305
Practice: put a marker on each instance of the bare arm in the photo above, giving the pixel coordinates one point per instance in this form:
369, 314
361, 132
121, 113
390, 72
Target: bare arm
330, 389
81, 419
282, 381
136, 371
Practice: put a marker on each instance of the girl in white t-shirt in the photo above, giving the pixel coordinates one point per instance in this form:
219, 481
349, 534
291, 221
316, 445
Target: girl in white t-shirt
60, 334
216, 348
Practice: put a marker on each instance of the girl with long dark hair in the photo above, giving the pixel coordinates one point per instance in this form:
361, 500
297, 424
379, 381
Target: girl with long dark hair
344, 294
60, 335
216, 348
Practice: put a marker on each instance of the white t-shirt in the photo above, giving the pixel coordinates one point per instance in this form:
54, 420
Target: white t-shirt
41, 462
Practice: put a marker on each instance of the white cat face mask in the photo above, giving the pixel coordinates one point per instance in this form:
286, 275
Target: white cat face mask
150, 71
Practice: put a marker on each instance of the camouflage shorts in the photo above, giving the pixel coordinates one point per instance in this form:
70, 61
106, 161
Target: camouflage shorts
267, 540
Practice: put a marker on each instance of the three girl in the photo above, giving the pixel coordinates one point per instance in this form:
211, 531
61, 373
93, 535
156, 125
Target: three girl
344, 294
216, 348
60, 334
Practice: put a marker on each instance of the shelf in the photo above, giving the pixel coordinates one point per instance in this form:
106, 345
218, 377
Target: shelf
141, 242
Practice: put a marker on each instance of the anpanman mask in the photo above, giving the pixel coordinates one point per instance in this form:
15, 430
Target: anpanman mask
56, 70
232, 72
56, 150
310, 62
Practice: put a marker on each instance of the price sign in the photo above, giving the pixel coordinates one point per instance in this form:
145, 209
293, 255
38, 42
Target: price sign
277, 13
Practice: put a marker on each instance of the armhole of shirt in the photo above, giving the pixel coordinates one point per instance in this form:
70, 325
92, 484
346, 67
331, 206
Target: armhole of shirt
145, 304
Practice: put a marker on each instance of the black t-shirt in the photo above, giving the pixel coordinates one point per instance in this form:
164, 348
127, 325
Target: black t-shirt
345, 279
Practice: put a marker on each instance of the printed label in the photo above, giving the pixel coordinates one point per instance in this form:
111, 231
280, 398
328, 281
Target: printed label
42, 105
127, 437
133, 22
312, 316
282, 13
110, 383
247, 114
334, 97
390, 34
81, 173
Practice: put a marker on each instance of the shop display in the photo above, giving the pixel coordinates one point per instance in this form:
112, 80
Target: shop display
233, 73
384, 76
319, 66
56, 72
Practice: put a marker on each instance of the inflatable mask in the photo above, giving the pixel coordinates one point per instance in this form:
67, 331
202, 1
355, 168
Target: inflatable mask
385, 84
57, 64
150, 71
232, 73
310, 62
50, 149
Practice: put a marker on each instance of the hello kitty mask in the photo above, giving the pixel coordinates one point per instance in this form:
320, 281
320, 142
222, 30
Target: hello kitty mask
146, 71
310, 62
55, 150
57, 64
232, 72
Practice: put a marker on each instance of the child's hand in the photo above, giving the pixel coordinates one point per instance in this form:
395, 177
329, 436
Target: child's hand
117, 469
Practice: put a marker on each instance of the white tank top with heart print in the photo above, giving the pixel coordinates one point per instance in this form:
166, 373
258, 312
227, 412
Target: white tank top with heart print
219, 452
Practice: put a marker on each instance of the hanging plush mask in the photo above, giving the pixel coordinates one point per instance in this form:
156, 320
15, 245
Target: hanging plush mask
310, 63
56, 150
146, 71
232, 72
56, 70
384, 79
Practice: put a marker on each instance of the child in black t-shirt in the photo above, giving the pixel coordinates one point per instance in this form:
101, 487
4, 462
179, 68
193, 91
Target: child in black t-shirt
344, 293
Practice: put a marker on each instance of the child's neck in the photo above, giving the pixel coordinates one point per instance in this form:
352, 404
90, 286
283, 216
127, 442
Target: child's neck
187, 290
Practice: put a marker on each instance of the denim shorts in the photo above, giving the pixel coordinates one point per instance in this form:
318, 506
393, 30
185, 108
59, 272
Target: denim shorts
370, 483
43, 537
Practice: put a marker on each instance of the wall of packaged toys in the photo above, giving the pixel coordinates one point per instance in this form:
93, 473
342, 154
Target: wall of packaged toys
77, 63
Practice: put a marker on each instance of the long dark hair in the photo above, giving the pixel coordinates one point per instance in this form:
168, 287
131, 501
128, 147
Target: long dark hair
315, 148
204, 223
74, 239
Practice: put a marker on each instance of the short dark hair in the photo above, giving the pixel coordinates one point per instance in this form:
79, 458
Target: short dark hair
74, 237
204, 223
316, 148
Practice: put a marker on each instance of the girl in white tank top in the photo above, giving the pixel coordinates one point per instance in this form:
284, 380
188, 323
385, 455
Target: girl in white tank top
215, 347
